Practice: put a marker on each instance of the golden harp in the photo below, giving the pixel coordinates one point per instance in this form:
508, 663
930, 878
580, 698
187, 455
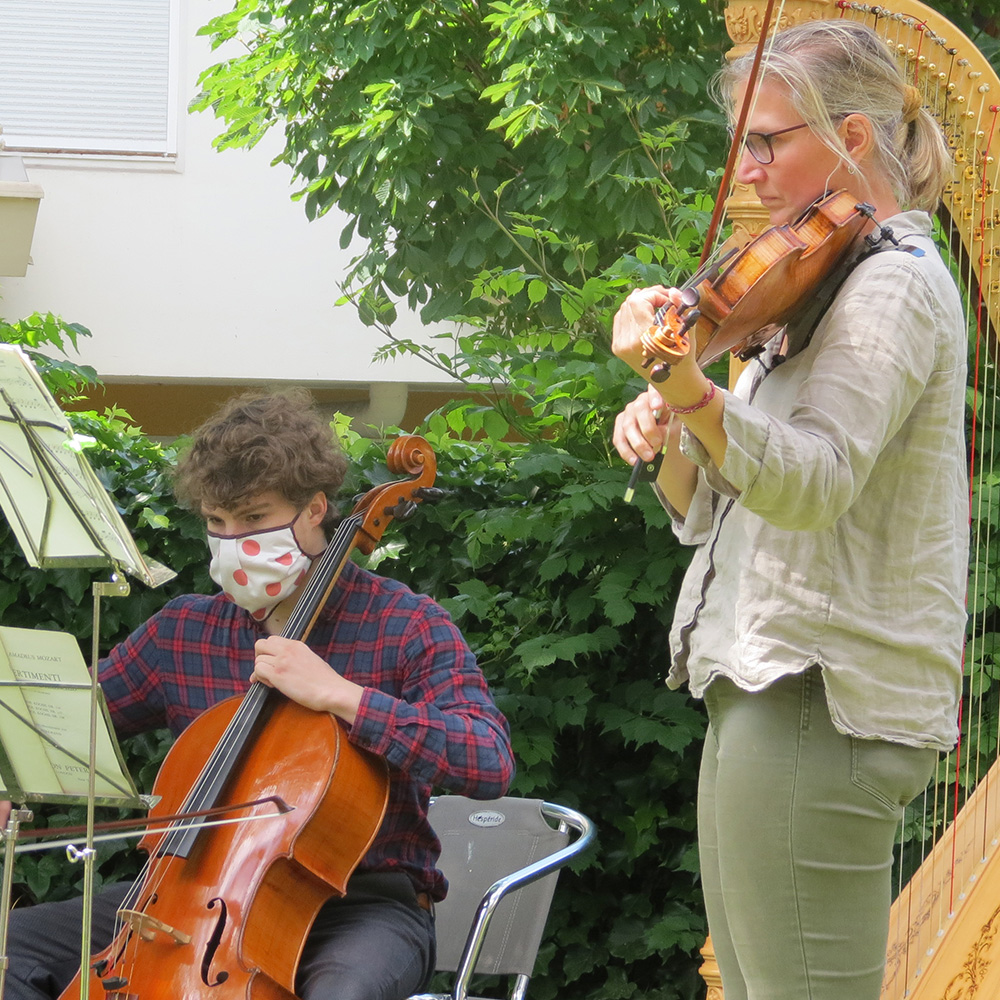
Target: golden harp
945, 922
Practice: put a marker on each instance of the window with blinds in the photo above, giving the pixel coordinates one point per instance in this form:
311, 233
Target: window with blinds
89, 76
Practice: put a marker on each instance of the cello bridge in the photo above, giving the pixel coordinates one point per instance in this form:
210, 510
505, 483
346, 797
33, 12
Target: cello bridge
148, 927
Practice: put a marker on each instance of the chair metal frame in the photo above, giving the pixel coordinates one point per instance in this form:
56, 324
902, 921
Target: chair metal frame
569, 820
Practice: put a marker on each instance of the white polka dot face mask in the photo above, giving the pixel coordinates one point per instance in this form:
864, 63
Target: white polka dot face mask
260, 569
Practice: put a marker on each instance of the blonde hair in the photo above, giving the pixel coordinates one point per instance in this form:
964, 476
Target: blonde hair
833, 69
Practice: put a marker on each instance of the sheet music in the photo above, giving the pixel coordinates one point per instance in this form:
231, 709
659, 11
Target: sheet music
57, 507
45, 722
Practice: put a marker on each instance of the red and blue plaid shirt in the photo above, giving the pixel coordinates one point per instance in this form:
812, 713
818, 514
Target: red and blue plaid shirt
426, 708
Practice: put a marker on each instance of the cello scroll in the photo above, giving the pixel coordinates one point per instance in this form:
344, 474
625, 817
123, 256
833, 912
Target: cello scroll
397, 500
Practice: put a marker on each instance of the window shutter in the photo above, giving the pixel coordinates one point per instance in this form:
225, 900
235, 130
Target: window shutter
87, 75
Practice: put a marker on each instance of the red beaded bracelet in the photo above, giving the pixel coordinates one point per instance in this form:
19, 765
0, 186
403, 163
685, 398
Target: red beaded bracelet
703, 402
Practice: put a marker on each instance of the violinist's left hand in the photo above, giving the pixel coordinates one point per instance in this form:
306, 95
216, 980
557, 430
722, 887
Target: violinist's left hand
635, 316
299, 674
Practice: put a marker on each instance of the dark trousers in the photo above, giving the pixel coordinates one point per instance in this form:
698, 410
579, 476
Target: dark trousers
376, 943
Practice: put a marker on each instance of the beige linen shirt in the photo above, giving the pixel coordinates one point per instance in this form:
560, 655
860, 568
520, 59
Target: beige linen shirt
836, 530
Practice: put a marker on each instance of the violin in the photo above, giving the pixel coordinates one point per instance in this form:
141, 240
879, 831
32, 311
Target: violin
225, 911
739, 302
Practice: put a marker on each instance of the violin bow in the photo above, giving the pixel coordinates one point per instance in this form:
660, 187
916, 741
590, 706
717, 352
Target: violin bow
734, 147
648, 471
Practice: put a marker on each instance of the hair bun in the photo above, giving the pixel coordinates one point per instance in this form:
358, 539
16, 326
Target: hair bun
912, 102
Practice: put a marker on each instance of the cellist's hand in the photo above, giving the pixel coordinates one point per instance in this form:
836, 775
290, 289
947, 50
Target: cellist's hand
299, 674
635, 316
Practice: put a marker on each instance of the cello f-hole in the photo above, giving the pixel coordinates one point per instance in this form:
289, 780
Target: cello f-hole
213, 945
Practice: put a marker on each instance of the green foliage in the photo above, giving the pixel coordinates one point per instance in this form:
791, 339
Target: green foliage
65, 379
558, 585
423, 122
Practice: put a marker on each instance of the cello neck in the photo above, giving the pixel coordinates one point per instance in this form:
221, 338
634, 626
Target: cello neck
208, 787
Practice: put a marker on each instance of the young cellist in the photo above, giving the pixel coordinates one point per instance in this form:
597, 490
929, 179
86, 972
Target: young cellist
822, 616
386, 662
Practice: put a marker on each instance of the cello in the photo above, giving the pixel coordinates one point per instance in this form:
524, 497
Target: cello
224, 910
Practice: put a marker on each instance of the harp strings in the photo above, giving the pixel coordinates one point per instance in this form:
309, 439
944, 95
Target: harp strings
960, 97
938, 855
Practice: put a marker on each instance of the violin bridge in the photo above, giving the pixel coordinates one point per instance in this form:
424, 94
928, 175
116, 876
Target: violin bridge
148, 927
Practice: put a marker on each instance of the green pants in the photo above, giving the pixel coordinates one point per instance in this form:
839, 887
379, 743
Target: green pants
796, 829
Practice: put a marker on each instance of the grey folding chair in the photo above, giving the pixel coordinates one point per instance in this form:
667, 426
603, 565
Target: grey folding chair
501, 858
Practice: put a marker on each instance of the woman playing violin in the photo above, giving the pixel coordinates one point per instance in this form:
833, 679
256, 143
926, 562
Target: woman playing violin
822, 616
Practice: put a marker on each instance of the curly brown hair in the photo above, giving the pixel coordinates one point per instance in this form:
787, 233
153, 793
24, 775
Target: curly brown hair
259, 442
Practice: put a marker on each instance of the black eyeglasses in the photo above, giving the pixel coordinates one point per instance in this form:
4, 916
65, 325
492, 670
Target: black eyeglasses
758, 144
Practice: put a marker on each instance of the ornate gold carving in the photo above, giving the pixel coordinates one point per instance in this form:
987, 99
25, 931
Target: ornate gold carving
710, 972
744, 20
965, 986
748, 216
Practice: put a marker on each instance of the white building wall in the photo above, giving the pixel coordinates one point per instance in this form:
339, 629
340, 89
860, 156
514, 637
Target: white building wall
201, 269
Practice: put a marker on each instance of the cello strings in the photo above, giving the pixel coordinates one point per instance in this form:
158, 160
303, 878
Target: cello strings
221, 759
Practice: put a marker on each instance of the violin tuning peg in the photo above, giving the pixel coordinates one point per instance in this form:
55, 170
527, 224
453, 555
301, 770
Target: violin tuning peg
690, 297
660, 373
689, 320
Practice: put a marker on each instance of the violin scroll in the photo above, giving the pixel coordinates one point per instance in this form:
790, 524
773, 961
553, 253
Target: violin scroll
669, 341
738, 304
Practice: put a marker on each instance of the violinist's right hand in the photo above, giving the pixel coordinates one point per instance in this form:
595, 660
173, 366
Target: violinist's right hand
641, 428
640, 431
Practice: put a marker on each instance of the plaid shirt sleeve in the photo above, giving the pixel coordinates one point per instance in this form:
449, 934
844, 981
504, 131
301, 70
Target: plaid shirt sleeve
193, 653
129, 680
444, 729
